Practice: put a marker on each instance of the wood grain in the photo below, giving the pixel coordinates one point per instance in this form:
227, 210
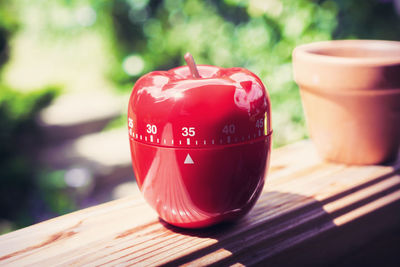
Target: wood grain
310, 211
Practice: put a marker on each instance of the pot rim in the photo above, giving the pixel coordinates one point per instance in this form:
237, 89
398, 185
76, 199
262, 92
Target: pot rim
317, 52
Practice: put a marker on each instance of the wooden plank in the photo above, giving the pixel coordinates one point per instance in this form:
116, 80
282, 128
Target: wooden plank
304, 199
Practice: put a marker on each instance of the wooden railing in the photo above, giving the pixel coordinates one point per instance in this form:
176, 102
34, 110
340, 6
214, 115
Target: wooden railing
310, 211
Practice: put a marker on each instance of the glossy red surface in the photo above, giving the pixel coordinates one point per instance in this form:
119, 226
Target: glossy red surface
200, 147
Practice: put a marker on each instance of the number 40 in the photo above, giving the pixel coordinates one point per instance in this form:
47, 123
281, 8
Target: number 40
229, 129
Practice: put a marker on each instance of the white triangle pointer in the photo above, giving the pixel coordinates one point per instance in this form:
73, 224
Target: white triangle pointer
188, 160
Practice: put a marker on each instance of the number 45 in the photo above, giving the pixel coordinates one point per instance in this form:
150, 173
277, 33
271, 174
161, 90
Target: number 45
260, 123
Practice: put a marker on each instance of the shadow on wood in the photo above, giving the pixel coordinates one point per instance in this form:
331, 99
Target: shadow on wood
307, 235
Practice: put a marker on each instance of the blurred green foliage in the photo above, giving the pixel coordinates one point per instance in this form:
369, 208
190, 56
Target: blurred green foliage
8, 25
19, 136
140, 36
255, 34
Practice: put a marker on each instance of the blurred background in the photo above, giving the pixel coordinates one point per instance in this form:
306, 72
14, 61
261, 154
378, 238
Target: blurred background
67, 68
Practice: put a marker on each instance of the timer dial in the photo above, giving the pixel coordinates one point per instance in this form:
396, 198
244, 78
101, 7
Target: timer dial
200, 146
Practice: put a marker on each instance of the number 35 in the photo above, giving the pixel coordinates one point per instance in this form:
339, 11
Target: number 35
188, 131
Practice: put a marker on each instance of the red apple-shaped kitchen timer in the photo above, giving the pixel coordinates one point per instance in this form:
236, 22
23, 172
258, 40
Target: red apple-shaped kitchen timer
200, 139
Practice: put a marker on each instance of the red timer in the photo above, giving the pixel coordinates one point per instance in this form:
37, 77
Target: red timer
200, 139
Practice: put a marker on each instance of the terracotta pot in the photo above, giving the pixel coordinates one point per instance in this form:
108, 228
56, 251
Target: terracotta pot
350, 91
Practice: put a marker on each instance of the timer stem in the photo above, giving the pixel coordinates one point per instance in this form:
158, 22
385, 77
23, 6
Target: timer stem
192, 65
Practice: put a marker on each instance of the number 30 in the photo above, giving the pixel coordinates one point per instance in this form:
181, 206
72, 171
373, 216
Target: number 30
151, 129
